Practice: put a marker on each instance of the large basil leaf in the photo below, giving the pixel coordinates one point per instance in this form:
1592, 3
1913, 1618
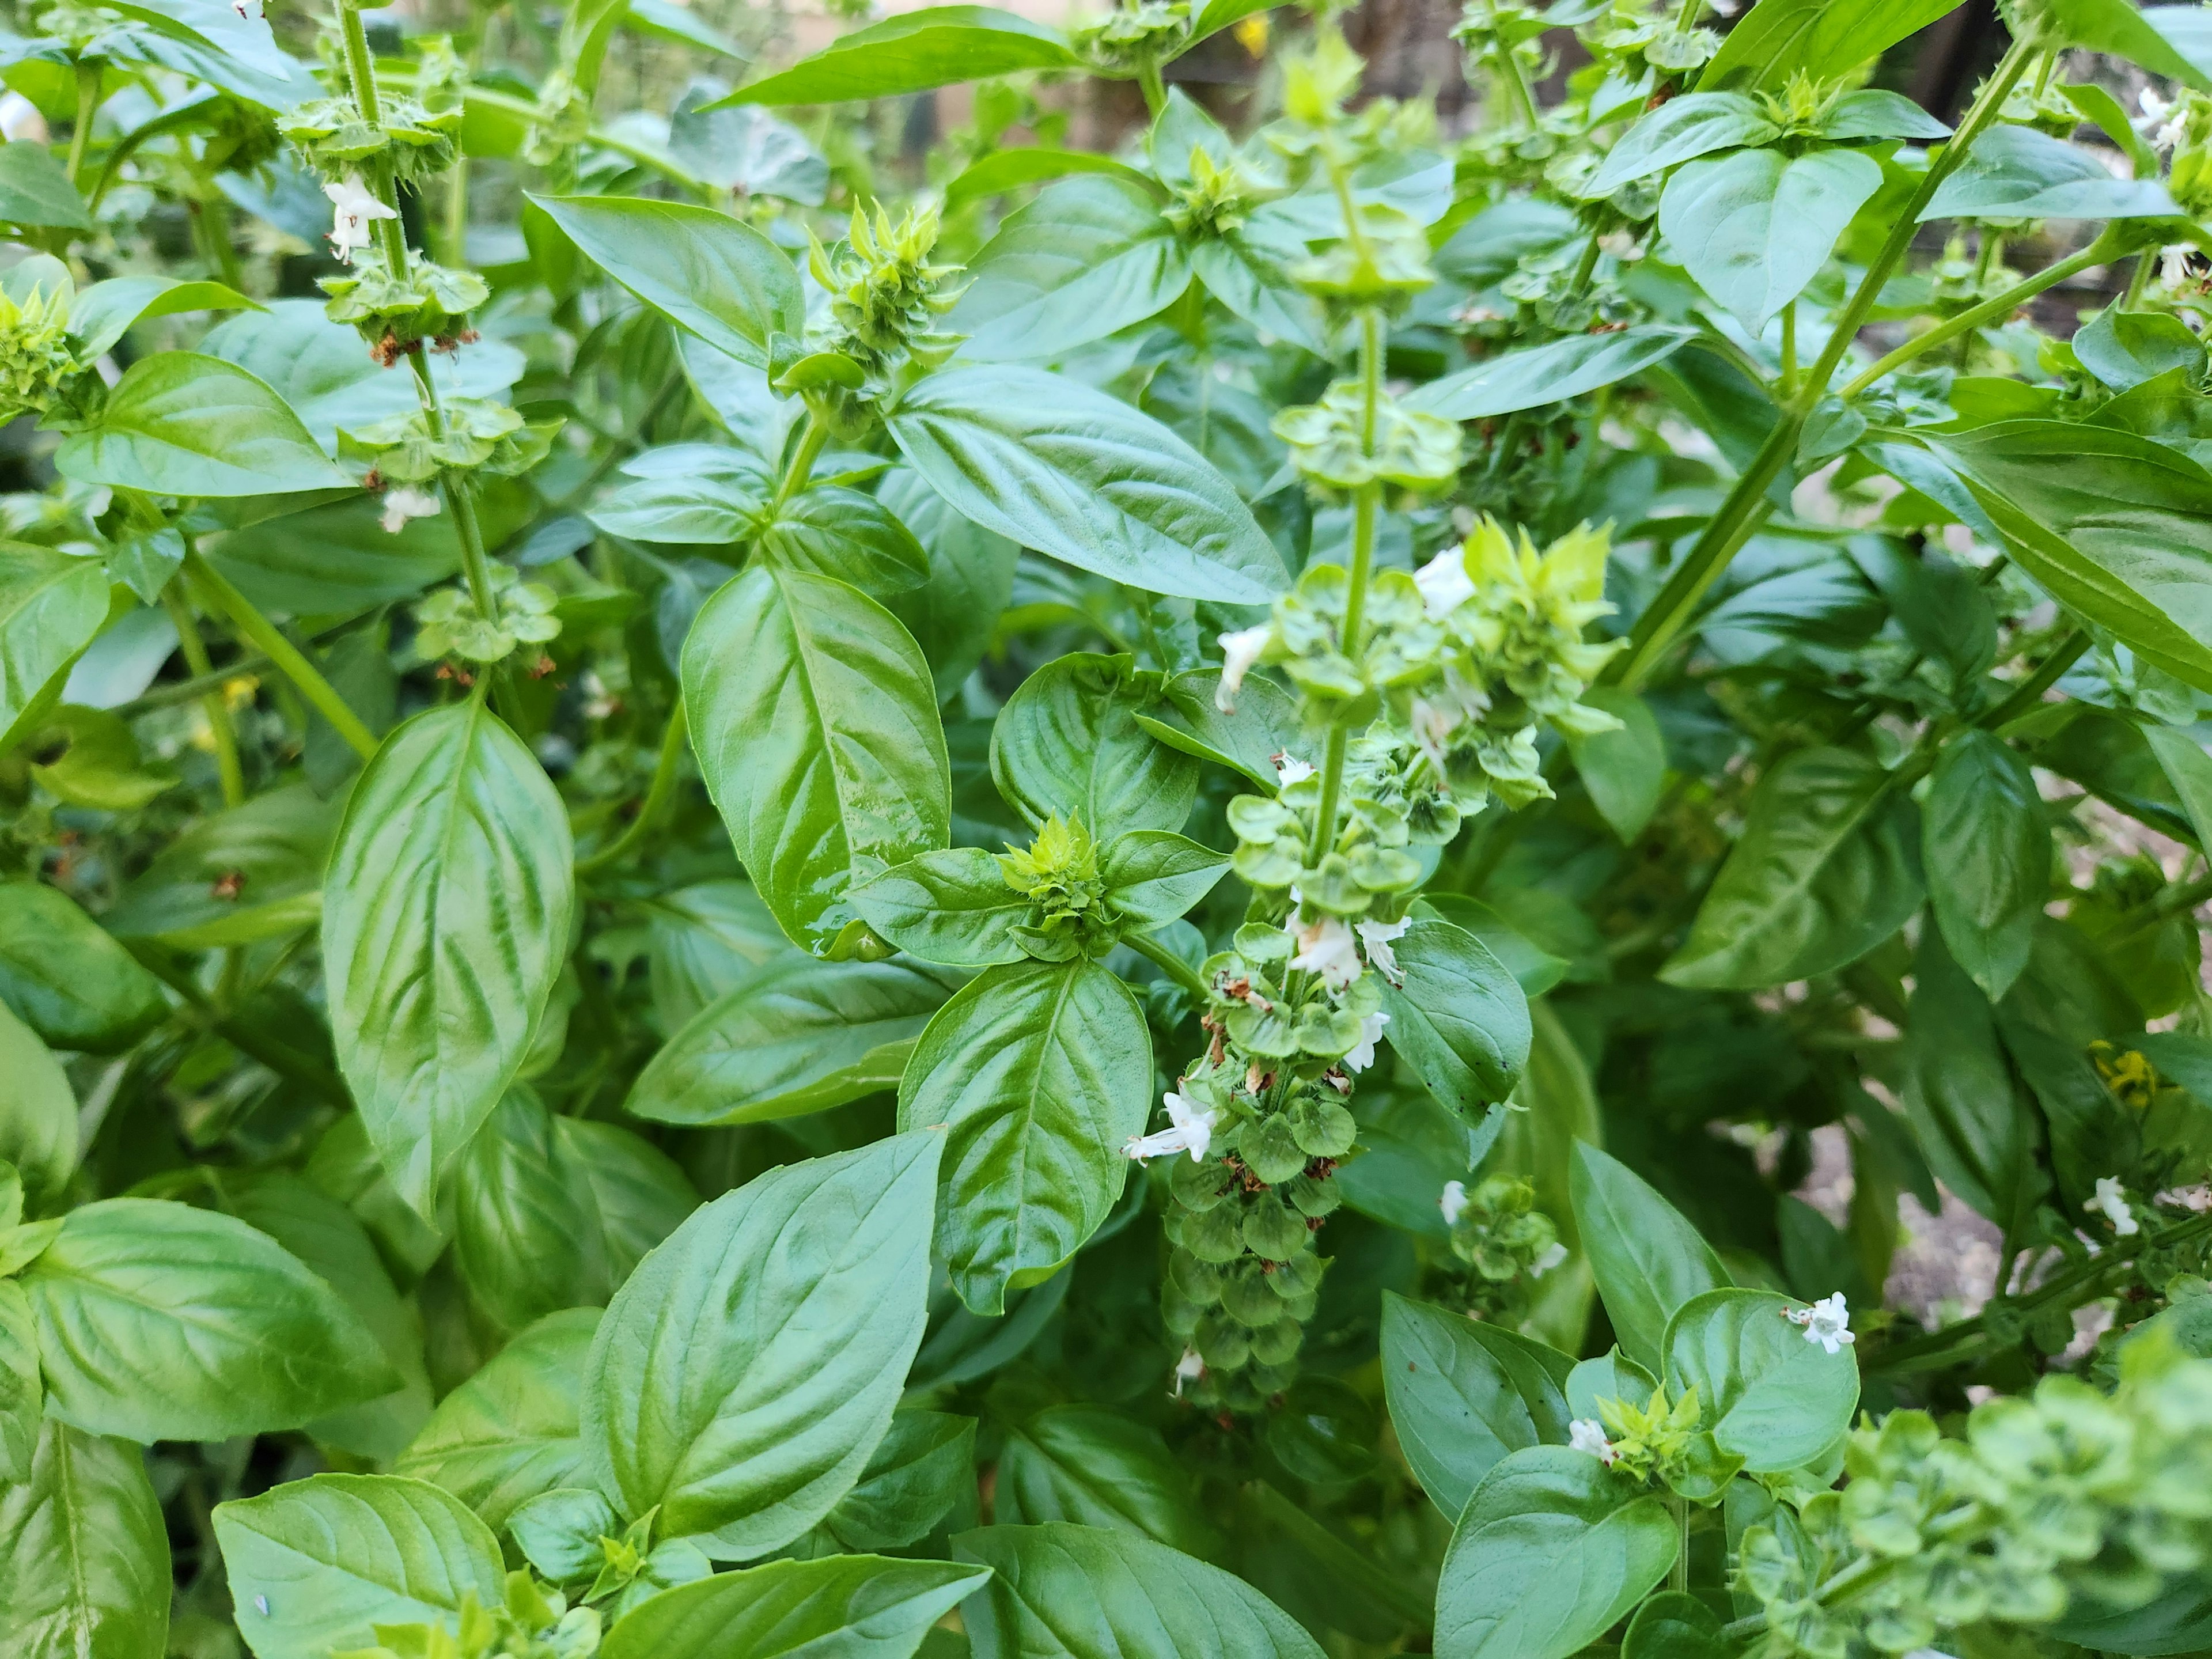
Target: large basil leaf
923, 1466
1827, 867
1535, 375
23, 1395
2125, 348
510, 1431
1754, 228
1770, 1394
181, 424
1463, 1396
744, 1374
235, 878
316, 1564
706, 938
1822, 39
1457, 1015
2018, 173
1068, 742
1648, 1259
1986, 847
35, 190
797, 1036
160, 1321
1078, 475
953, 614
953, 907
1061, 1591
1553, 1548
66, 979
1091, 256
688, 495
37, 1113
707, 273
103, 313
1977, 1130
836, 531
447, 923
815, 722
1675, 1625
1681, 130
2115, 527
855, 1606
1099, 1468
84, 1558
1040, 1071
933, 48
52, 604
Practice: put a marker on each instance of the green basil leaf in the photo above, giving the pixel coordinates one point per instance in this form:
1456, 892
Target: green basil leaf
1976, 1129
1097, 1468
1625, 770
923, 1466
51, 605
1824, 38
35, 190
1533, 376
1681, 130
1153, 877
1249, 270
1753, 228
707, 273
1464, 1395
2189, 769
743, 149
158, 1322
2124, 349
2179, 1619
84, 1558
953, 907
706, 938
181, 424
815, 722
1648, 1259
955, 613
559, 1532
1675, 1625
1040, 1071
1771, 1395
744, 1374
857, 1607
2144, 37
1457, 1016
2018, 173
253, 872
102, 314
937, 46
65, 977
1986, 846
701, 507
1534, 969
38, 1115
1061, 1591
22, 1396
316, 1564
510, 1431
834, 532
795, 1036
1827, 868
1086, 479
1611, 1375
1088, 257
1067, 742
1871, 112
1554, 1547
447, 923
1003, 170
1264, 725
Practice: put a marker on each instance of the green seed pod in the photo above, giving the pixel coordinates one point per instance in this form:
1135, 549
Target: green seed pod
1275, 1231
1313, 1196
1216, 1235
1249, 1299
1324, 1128
1198, 1282
1299, 1277
1270, 1149
1221, 1342
1276, 1344
1198, 1187
1178, 1312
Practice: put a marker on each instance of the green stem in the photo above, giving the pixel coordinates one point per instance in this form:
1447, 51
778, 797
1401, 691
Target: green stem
90, 73
282, 652
1155, 89
2139, 279
212, 703
2029, 692
1788, 382
279, 1057
1365, 504
1169, 963
361, 78
1678, 1575
656, 796
811, 444
1747, 506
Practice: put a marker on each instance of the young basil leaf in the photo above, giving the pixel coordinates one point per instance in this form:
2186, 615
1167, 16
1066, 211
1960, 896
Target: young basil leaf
1086, 479
316, 1564
1978, 1134
1675, 1625
84, 1558
1754, 228
1088, 257
1264, 725
815, 722
158, 1322
38, 1115
1771, 1395
1153, 878
1533, 376
2125, 348
447, 923
1248, 269
1827, 867
922, 1468
181, 424
67, 979
955, 907
1648, 1259
936, 46
102, 314
1457, 1016
710, 274
862, 1605
1871, 112
1681, 130
1097, 1468
795, 1036
22, 1396
1623, 771
51, 605
2018, 173
742, 1378
558, 1532
1067, 742
1611, 1375
834, 532
1040, 1070
1553, 1548
1463, 1396
510, 1431
695, 508
1986, 847
1091, 1594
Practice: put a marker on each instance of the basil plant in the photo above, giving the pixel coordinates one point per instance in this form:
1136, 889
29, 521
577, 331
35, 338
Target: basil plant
1306, 885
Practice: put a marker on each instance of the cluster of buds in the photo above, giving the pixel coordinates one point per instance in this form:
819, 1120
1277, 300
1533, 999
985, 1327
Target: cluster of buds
534, 1622
37, 362
1132, 37
1633, 38
885, 295
338, 143
397, 311
467, 434
2068, 1501
1071, 912
1502, 1244
450, 623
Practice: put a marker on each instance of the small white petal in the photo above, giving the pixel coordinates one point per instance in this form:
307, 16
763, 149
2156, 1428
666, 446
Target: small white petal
1586, 1434
1444, 581
1550, 1257
1289, 769
1361, 1054
1326, 947
1378, 937
1453, 1202
1239, 652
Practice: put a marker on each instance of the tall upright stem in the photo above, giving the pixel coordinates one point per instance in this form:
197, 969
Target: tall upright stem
1366, 503
265, 634
212, 704
90, 72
